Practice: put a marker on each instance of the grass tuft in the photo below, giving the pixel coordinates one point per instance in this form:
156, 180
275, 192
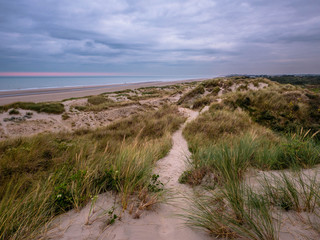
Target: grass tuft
52, 107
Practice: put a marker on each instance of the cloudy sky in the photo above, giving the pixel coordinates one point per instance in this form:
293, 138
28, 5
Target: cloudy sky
162, 37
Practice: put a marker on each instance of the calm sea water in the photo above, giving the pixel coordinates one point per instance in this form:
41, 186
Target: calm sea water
19, 83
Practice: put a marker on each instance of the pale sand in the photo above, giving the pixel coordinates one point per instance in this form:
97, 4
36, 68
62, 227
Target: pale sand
162, 223
58, 94
43, 122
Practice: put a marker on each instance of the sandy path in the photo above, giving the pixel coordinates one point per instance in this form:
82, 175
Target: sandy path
162, 223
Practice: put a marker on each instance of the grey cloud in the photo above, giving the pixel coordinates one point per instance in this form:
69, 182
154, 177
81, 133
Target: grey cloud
211, 36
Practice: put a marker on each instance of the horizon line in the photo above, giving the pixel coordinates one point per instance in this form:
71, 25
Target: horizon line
62, 74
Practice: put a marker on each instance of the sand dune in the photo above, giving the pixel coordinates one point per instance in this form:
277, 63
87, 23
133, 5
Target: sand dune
162, 223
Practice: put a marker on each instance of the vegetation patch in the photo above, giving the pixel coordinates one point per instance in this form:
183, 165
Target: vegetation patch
99, 99
233, 211
198, 90
54, 108
47, 174
284, 109
14, 112
275, 128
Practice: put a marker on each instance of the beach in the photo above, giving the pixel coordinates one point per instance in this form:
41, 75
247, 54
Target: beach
58, 94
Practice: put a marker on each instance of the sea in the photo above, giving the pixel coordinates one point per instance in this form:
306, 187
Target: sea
24, 83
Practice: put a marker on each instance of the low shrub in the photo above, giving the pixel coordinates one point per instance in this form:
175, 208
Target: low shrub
198, 90
96, 100
201, 102
14, 112
54, 108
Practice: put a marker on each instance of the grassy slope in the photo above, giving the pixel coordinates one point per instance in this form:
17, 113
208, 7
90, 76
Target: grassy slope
237, 134
45, 175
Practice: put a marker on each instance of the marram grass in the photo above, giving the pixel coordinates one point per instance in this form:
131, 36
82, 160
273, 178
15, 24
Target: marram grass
45, 175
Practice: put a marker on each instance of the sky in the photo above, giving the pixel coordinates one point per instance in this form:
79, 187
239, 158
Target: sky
160, 37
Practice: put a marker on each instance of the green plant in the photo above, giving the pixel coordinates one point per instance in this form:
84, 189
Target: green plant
229, 162
112, 216
231, 212
298, 152
155, 184
93, 202
65, 116
200, 102
14, 112
54, 108
99, 99
80, 108
198, 90
298, 193
62, 198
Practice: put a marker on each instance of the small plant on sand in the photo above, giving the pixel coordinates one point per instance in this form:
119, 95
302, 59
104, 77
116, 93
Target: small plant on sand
99, 99
155, 184
112, 216
93, 202
65, 116
14, 112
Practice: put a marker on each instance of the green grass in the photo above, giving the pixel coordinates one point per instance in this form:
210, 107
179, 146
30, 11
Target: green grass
99, 99
223, 129
282, 108
14, 112
232, 212
298, 192
54, 108
225, 160
198, 90
104, 106
231, 157
214, 124
261, 129
48, 174
201, 102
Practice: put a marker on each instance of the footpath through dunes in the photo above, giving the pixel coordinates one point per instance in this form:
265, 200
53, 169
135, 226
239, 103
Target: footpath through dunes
161, 223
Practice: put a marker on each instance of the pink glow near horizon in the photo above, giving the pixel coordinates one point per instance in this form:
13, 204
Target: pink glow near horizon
59, 74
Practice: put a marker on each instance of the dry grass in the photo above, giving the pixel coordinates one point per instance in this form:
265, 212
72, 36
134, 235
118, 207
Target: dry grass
45, 175
281, 107
228, 139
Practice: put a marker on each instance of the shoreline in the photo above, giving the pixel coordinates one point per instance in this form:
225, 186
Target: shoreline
59, 94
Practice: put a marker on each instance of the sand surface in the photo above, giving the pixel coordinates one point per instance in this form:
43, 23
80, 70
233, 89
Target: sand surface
161, 223
58, 94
